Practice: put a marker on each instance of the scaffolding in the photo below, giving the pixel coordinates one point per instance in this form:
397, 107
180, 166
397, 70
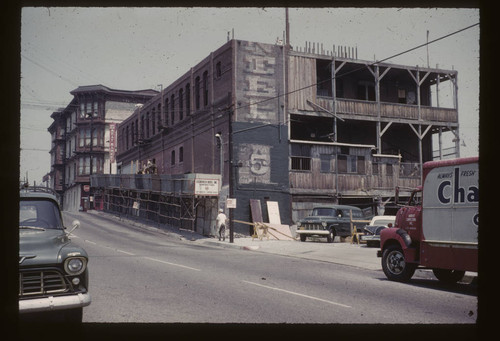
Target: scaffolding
188, 201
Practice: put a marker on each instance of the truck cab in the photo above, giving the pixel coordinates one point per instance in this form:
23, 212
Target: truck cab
409, 217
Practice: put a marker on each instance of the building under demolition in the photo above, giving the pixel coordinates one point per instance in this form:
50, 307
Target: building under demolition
299, 127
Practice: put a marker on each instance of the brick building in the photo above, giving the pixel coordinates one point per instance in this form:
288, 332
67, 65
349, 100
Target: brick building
84, 140
298, 126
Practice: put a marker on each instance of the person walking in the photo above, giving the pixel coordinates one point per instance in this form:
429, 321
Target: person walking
220, 224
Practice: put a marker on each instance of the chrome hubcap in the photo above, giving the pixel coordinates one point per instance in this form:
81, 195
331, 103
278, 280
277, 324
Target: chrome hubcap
396, 262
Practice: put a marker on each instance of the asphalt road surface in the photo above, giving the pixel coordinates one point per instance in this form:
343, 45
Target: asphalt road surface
138, 275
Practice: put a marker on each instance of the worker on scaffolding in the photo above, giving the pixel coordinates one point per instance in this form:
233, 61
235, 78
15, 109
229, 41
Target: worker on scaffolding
220, 224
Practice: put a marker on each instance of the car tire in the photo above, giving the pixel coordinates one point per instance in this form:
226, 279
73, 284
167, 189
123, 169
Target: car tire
394, 265
303, 237
448, 276
331, 236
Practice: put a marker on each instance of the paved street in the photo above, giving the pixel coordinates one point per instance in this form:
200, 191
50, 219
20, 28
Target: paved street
141, 274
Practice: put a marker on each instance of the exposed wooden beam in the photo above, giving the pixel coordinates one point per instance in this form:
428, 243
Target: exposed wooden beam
385, 128
420, 136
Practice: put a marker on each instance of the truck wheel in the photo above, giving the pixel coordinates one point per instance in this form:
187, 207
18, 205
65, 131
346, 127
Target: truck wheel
331, 236
448, 276
302, 237
394, 265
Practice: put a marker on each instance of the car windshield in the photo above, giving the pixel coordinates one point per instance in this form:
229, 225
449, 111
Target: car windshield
39, 214
324, 212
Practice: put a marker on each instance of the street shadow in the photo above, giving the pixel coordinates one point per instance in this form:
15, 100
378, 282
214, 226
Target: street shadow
465, 288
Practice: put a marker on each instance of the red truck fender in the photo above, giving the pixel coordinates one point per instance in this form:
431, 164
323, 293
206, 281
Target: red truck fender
394, 235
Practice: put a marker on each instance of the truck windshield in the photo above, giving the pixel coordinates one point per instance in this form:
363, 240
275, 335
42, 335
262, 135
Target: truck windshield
324, 211
39, 213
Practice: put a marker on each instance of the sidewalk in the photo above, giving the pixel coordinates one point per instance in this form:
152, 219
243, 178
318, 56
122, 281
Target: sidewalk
340, 253
343, 253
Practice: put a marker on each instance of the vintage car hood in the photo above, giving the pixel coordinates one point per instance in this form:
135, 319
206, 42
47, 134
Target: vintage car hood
374, 229
41, 247
314, 219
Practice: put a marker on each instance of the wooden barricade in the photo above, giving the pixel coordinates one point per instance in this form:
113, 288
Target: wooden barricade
263, 230
354, 231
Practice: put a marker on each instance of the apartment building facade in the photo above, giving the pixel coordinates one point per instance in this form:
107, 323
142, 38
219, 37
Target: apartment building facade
84, 140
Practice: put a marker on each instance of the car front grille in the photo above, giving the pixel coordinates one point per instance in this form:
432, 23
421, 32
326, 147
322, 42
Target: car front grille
41, 282
310, 226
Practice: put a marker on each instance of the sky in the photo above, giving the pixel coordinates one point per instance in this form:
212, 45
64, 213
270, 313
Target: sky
140, 48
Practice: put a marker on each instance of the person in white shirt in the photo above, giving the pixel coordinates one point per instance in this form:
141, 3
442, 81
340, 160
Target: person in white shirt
220, 224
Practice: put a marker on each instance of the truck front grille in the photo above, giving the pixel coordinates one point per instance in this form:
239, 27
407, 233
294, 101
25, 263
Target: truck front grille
41, 282
310, 226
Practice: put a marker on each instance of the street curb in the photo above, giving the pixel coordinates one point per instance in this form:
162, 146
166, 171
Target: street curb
229, 245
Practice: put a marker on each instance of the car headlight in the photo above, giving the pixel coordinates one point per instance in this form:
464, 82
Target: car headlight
323, 223
298, 224
75, 265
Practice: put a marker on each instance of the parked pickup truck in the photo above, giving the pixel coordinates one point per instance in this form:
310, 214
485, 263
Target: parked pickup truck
53, 273
330, 221
438, 228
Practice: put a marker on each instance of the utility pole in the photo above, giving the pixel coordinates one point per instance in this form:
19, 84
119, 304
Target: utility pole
231, 170
221, 161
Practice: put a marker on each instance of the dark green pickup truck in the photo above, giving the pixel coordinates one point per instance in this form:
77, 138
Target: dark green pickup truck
330, 221
53, 274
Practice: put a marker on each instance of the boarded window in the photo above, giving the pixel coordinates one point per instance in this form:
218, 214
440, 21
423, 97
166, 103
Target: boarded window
361, 165
301, 150
342, 163
351, 164
388, 169
325, 162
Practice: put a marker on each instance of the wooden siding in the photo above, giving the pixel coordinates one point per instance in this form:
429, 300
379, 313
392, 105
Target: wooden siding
302, 75
389, 110
302, 181
380, 174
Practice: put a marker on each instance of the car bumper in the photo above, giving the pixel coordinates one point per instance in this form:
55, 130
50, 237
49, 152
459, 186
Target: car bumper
54, 303
313, 232
370, 238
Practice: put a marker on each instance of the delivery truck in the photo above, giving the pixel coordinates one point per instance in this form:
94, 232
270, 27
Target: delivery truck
438, 228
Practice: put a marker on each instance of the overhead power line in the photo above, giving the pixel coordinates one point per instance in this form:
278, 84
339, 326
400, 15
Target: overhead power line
360, 68
35, 149
49, 70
